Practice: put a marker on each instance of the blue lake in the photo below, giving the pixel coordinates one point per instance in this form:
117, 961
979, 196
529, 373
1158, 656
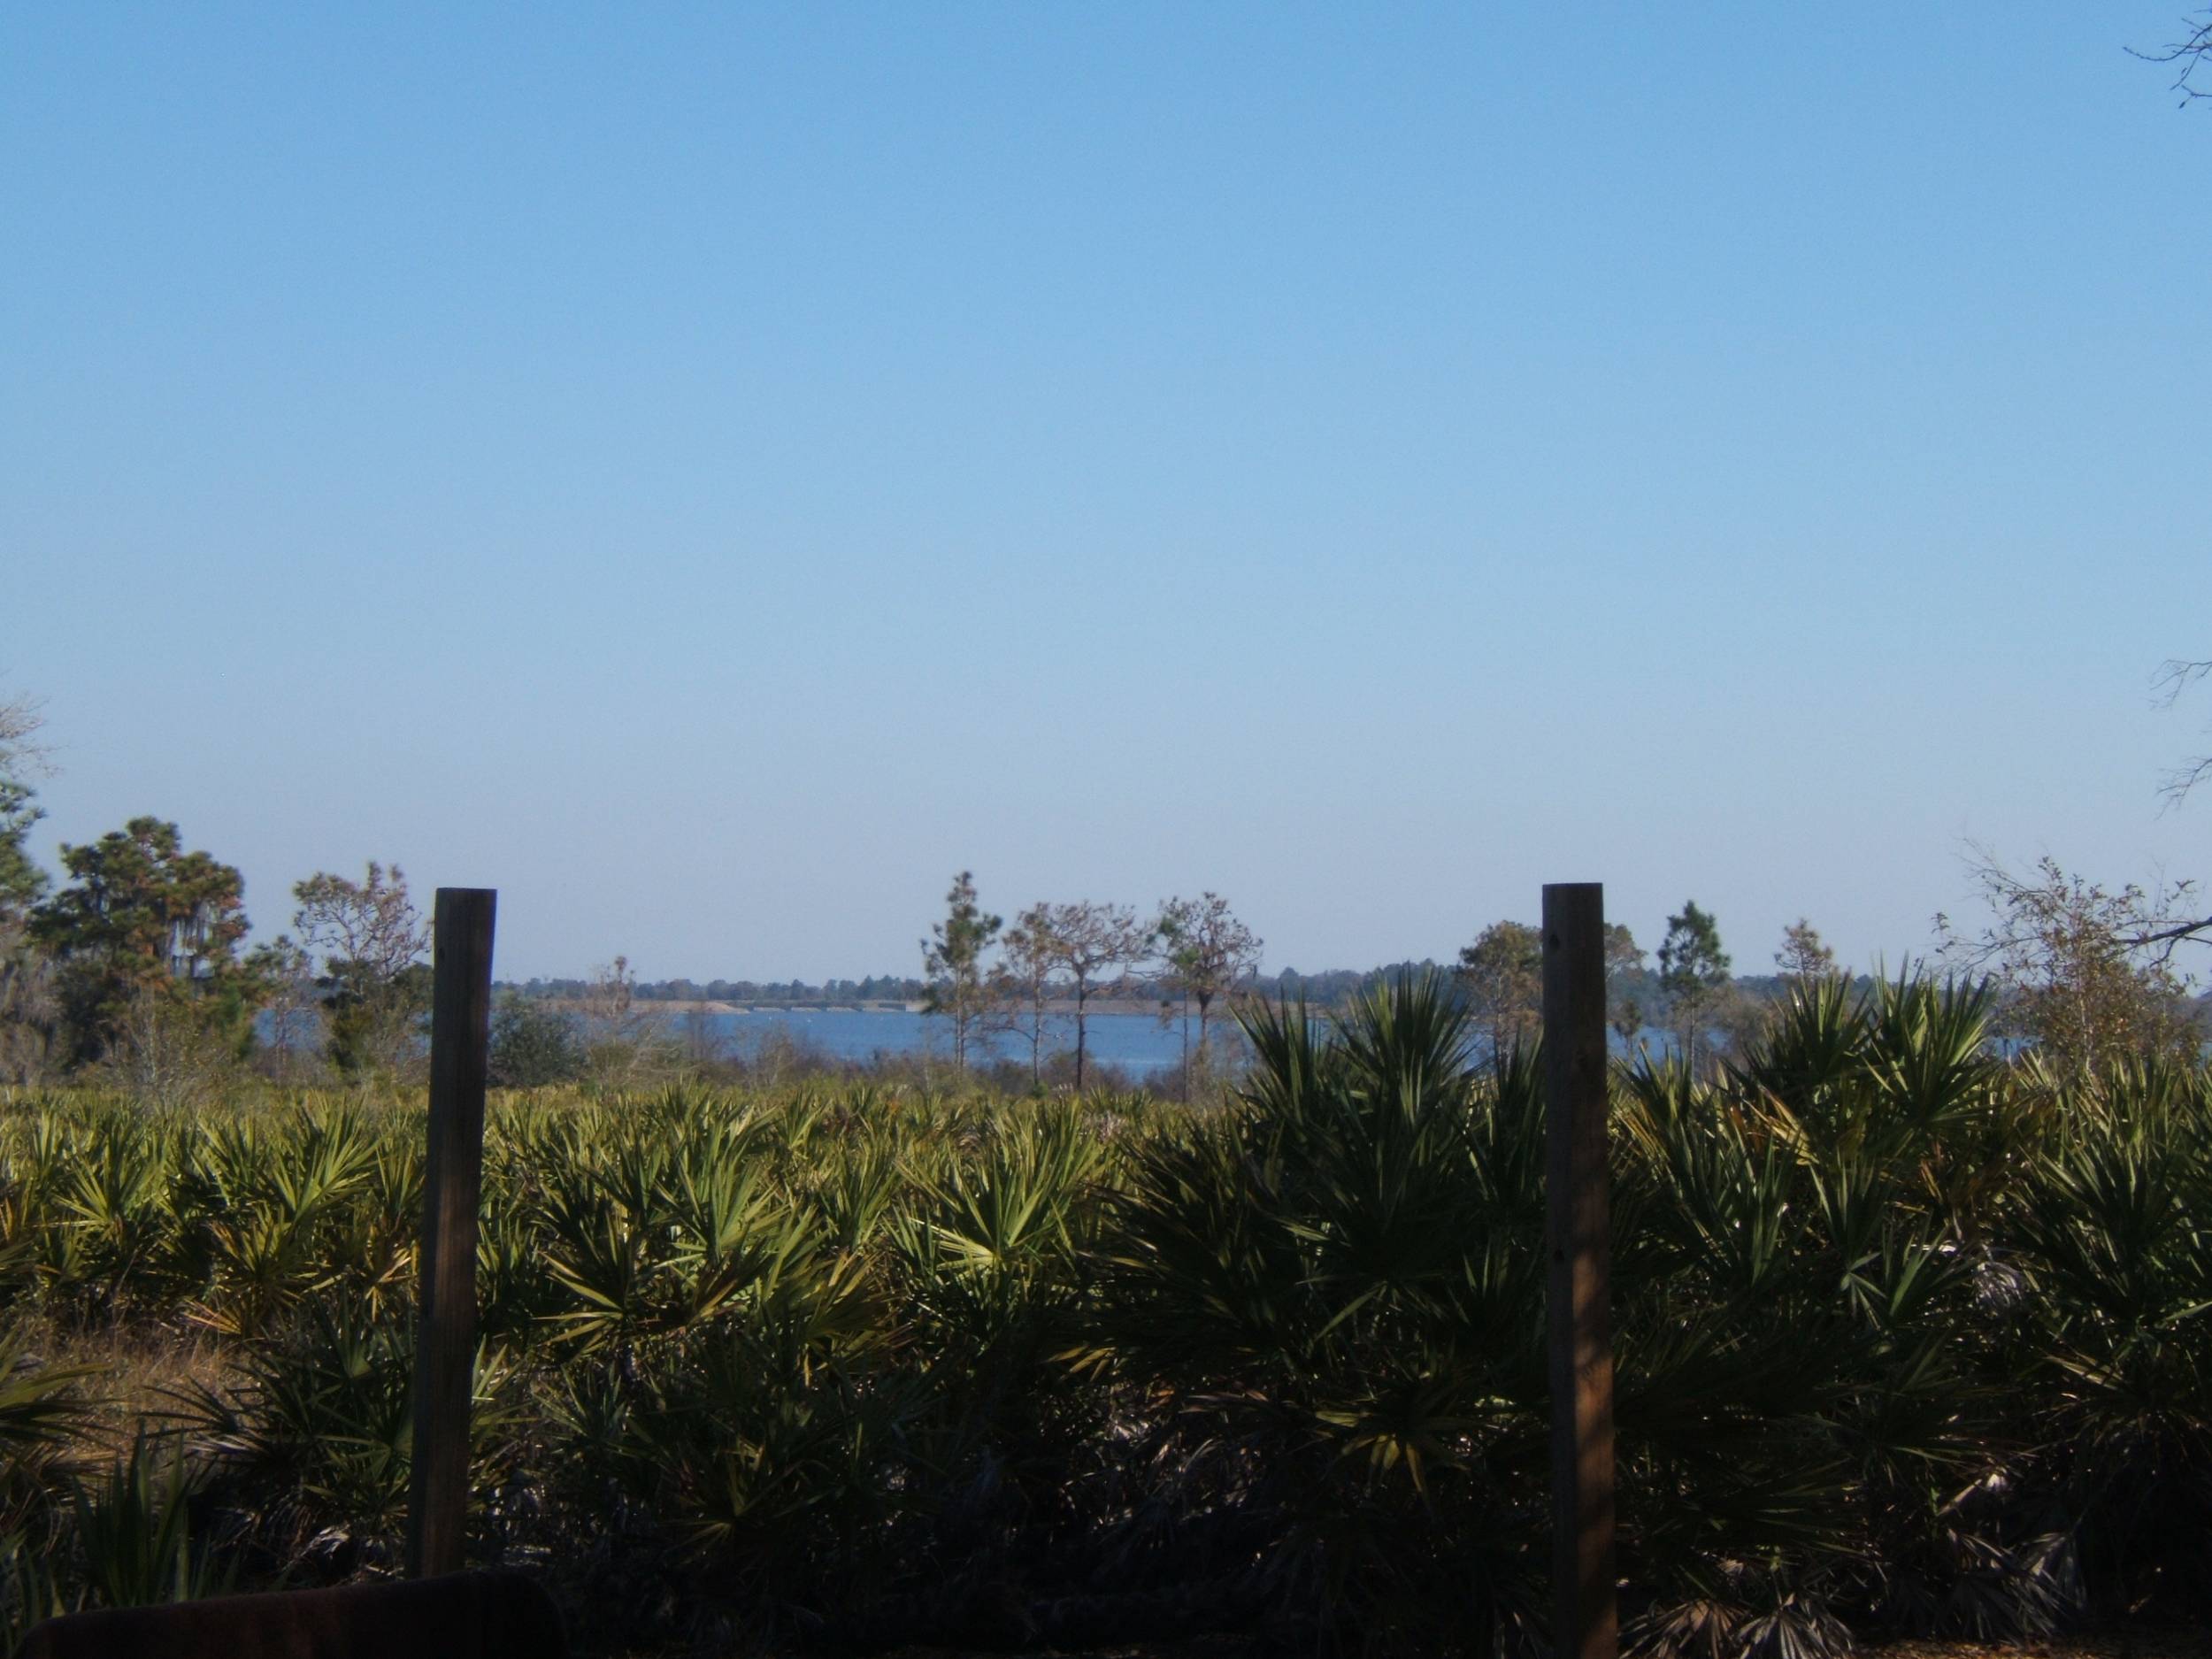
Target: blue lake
1136, 1043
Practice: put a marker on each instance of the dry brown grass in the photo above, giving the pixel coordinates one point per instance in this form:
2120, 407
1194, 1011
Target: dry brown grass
138, 1374
2127, 1644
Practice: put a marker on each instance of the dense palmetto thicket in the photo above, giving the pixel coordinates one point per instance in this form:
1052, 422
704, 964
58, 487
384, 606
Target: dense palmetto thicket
1911, 1339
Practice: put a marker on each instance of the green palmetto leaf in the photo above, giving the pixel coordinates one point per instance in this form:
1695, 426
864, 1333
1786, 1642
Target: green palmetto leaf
132, 1529
43, 1407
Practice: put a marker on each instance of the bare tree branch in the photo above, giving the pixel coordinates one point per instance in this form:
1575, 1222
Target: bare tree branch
2174, 677
21, 753
2189, 51
2162, 938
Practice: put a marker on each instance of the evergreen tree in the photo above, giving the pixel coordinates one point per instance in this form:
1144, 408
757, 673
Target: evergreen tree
533, 1045
1693, 972
142, 918
1503, 973
1804, 955
1624, 972
1207, 952
952, 960
22, 883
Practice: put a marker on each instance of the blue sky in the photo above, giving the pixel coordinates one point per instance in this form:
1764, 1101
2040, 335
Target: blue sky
713, 472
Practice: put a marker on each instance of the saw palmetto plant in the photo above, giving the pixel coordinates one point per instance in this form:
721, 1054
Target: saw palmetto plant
1911, 1338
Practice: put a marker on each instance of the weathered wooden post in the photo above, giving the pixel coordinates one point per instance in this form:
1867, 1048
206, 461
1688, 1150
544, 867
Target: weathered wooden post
445, 1330
1578, 1302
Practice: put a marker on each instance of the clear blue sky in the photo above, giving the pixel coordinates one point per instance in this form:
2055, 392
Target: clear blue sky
712, 473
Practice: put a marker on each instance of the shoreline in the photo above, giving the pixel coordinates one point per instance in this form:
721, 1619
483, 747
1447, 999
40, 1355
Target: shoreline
645, 1006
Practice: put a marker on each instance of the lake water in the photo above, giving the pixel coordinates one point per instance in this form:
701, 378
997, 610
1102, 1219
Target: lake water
1135, 1043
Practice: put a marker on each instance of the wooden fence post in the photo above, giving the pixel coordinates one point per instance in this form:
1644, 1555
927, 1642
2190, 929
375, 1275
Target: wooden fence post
1578, 1302
445, 1326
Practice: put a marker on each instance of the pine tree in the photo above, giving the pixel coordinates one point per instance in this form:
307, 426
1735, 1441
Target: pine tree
1693, 972
142, 918
1503, 971
952, 961
1804, 955
1207, 951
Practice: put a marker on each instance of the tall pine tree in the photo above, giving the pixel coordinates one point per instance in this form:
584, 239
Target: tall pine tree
1694, 972
952, 961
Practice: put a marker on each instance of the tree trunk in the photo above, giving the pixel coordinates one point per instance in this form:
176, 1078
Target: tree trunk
1187, 1050
1036, 1039
1082, 1028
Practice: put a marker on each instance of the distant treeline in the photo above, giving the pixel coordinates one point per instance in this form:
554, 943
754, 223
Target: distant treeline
883, 987
1331, 987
